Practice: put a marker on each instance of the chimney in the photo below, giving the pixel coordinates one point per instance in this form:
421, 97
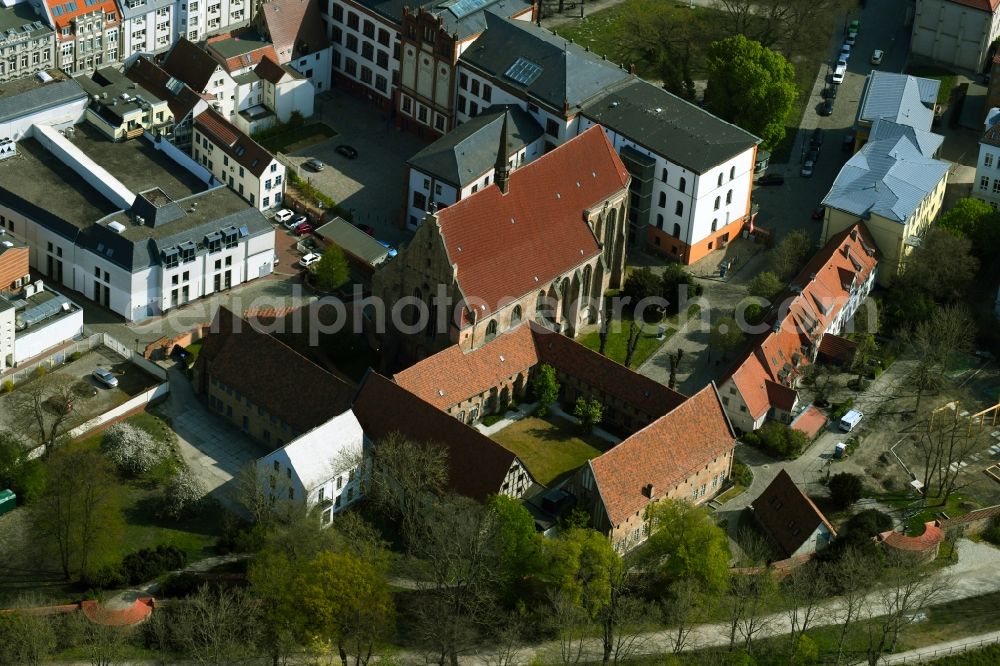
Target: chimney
854, 234
501, 174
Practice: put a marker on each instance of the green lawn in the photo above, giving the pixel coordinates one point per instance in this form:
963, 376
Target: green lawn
601, 32
550, 447
296, 138
932, 507
618, 339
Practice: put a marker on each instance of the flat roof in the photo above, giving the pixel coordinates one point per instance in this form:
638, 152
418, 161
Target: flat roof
25, 84
237, 46
16, 18
41, 179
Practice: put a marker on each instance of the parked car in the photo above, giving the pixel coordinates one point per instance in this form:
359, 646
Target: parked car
347, 151
818, 213
314, 165
847, 144
392, 250
105, 376
283, 215
826, 108
855, 26
807, 169
845, 52
838, 73
851, 39
309, 260
813, 155
771, 179
365, 228
303, 229
295, 221
816, 138
877, 56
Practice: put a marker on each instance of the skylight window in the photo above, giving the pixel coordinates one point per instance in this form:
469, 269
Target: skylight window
174, 86
523, 71
463, 8
57, 10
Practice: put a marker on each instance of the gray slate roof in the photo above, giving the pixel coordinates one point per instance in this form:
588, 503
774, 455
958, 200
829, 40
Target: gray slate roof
898, 97
19, 17
143, 9
670, 126
452, 12
28, 95
568, 72
470, 150
889, 176
353, 241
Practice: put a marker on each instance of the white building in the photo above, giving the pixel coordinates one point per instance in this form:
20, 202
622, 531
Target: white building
195, 67
957, 33
322, 467
237, 160
6, 333
43, 319
196, 19
47, 98
148, 26
136, 226
296, 29
27, 45
986, 186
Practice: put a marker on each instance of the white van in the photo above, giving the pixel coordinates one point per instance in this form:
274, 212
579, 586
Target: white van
851, 419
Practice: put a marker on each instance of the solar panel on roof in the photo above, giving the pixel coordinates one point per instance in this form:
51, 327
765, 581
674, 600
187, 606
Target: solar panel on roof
523, 71
174, 86
463, 8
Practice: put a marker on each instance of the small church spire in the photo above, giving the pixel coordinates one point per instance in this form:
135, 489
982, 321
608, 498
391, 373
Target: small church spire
502, 174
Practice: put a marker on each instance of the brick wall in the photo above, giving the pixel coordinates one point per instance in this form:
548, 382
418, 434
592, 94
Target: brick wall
13, 267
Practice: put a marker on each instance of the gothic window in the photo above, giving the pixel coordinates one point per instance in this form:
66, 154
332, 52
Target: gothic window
718, 200
491, 329
663, 199
715, 224
732, 173
659, 221
720, 180
729, 197
515, 315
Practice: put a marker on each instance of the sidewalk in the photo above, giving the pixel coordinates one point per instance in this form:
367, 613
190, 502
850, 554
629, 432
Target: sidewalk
939, 650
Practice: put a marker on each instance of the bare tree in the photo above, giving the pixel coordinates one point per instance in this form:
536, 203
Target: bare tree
570, 621
217, 626
42, 407
684, 609
25, 638
507, 643
852, 577
946, 332
805, 589
750, 590
623, 619
781, 24
903, 592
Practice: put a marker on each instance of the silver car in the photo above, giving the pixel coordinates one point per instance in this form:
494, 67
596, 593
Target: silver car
105, 376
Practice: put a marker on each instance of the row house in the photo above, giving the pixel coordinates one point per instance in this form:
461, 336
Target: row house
184, 103
296, 29
822, 299
691, 171
87, 32
205, 75
404, 59
237, 160
483, 252
197, 19
148, 26
136, 226
27, 45
122, 109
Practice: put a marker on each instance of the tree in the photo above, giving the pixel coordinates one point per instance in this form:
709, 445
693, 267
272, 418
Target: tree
751, 588
216, 625
684, 542
518, 544
845, 489
42, 407
26, 639
805, 589
641, 284
864, 353
684, 608
79, 515
765, 285
347, 602
973, 219
943, 446
132, 449
25, 477
332, 271
904, 590
726, 336
751, 86
939, 271
590, 413
788, 257
784, 24
405, 475
545, 387
666, 36
677, 285
182, 494
948, 331
780, 440
852, 576
634, 335
581, 564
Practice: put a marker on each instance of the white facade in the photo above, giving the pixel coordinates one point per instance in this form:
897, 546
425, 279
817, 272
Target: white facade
364, 48
199, 18
45, 335
6, 335
147, 27
986, 185
263, 191
323, 467
60, 115
316, 67
953, 34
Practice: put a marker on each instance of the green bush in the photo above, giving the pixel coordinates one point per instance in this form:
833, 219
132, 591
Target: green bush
148, 563
845, 489
841, 408
75, 356
104, 577
741, 474
40, 371
491, 419
181, 585
752, 439
8, 386
779, 440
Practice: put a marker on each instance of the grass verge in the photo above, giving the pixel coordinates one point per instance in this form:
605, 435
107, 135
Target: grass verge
550, 447
618, 339
299, 137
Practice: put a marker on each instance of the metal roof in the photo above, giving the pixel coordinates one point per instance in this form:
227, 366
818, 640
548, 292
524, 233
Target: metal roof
904, 99
353, 241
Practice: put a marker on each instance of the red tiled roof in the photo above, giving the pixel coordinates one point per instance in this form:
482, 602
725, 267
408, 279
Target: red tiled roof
191, 64
810, 421
295, 27
269, 70
140, 609
453, 375
240, 147
271, 374
818, 294
478, 465
982, 5
154, 78
248, 59
787, 514
929, 539
69, 10
504, 246
837, 348
663, 454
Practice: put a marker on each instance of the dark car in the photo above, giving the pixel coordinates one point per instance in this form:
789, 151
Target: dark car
813, 155
347, 151
314, 165
771, 179
818, 213
847, 145
830, 92
365, 228
816, 139
827, 107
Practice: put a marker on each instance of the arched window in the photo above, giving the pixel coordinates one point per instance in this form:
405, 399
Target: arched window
732, 173
515, 315
720, 180
663, 199
659, 221
718, 200
461, 416
663, 177
715, 224
683, 184
677, 230
679, 208
491, 329
729, 197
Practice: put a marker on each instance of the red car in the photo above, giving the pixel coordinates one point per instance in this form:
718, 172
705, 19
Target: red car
817, 213
303, 229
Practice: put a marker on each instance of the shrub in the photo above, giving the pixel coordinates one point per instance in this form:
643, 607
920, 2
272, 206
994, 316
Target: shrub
780, 440
993, 535
8, 386
180, 585
741, 474
40, 371
148, 563
104, 577
545, 388
75, 356
182, 493
866, 524
641, 284
766, 285
841, 408
491, 419
590, 413
845, 489
751, 439
131, 449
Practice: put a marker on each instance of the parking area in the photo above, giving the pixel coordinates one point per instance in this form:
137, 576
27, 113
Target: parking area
90, 397
372, 185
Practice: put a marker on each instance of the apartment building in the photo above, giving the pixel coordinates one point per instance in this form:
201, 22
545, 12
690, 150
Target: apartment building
87, 32
237, 160
196, 68
183, 102
148, 26
122, 109
197, 19
27, 45
296, 29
